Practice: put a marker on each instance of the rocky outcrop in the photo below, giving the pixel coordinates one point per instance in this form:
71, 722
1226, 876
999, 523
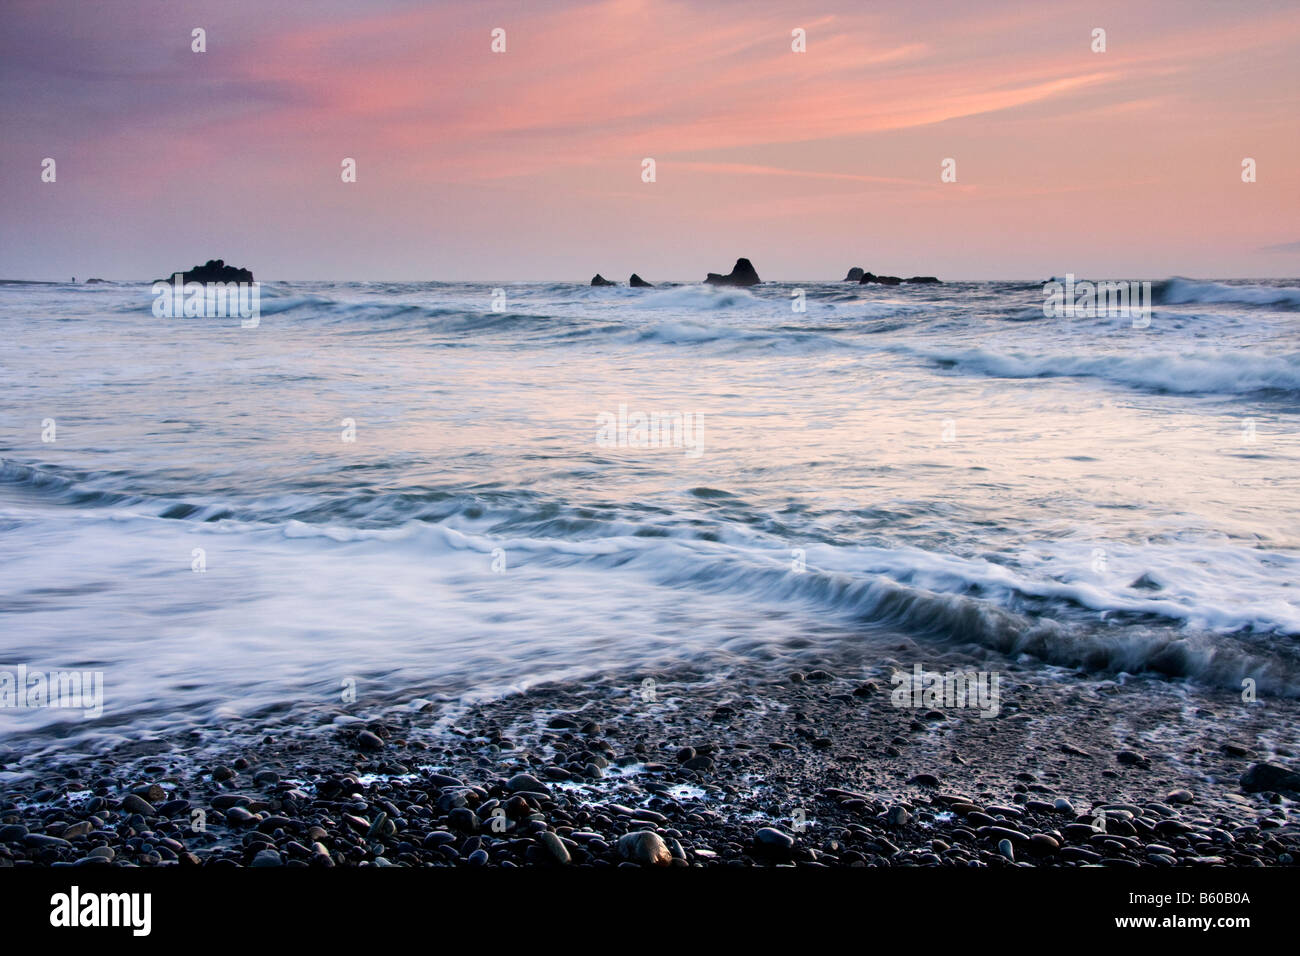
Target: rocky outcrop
855, 274
637, 282
867, 277
742, 274
214, 270
599, 279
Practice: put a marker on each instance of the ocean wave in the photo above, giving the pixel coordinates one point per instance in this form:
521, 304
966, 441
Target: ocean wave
1180, 291
695, 298
1200, 372
1210, 611
1190, 628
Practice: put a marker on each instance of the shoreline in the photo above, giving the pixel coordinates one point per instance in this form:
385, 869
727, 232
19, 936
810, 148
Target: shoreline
763, 767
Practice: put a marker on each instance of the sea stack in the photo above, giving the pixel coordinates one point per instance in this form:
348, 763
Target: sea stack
214, 270
742, 274
923, 280
637, 282
599, 279
881, 280
855, 274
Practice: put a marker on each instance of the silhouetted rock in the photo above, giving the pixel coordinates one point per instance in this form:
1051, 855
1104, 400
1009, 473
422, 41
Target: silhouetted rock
599, 279
214, 270
94, 281
855, 274
924, 280
637, 282
742, 273
882, 280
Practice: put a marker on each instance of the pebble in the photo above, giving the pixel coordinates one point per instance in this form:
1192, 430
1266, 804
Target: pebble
1267, 776
526, 783
1043, 844
772, 842
132, 803
555, 847
464, 820
898, 816
646, 848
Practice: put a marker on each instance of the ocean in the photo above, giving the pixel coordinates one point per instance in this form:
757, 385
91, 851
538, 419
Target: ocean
451, 491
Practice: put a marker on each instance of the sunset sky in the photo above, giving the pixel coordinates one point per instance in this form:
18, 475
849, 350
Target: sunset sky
527, 164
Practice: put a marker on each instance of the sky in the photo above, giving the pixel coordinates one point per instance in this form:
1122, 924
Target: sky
528, 164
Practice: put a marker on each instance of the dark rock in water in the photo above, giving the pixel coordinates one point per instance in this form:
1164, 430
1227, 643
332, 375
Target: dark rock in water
637, 282
599, 279
214, 270
924, 280
369, 741
1131, 758
1146, 583
1267, 776
95, 281
743, 273
881, 280
645, 847
855, 274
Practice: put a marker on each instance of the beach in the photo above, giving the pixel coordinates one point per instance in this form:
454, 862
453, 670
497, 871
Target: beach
805, 769
328, 583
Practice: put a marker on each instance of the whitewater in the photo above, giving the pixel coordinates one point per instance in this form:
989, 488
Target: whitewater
403, 489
